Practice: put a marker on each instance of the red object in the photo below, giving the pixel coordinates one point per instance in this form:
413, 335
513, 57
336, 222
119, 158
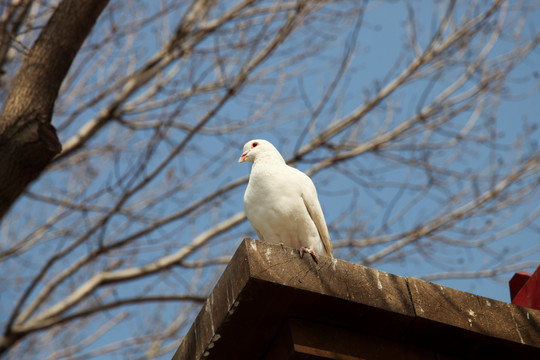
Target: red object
525, 289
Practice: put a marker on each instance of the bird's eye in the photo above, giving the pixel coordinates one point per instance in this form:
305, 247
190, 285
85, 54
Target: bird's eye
254, 144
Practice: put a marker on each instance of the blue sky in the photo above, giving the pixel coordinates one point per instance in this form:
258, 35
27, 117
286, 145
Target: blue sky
378, 50
359, 196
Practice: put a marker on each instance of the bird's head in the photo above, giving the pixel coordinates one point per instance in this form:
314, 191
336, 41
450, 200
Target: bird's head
258, 149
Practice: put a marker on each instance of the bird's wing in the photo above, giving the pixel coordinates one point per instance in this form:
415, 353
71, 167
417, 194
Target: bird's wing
315, 212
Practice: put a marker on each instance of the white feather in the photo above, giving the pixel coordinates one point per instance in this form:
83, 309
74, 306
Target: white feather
281, 202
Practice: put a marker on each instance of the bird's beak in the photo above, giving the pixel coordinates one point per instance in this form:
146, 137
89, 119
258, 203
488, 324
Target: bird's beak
243, 157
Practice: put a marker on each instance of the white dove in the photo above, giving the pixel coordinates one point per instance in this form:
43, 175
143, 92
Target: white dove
281, 202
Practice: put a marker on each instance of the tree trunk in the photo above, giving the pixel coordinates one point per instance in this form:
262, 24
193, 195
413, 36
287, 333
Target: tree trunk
28, 141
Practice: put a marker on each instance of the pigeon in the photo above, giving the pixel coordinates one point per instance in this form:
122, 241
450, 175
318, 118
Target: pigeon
281, 202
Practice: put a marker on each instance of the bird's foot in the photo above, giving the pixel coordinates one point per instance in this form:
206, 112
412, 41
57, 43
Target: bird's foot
310, 251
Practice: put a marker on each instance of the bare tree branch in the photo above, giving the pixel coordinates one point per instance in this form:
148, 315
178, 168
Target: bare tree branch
416, 123
28, 141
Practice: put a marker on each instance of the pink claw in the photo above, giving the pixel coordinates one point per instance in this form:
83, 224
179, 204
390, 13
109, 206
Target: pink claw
310, 251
